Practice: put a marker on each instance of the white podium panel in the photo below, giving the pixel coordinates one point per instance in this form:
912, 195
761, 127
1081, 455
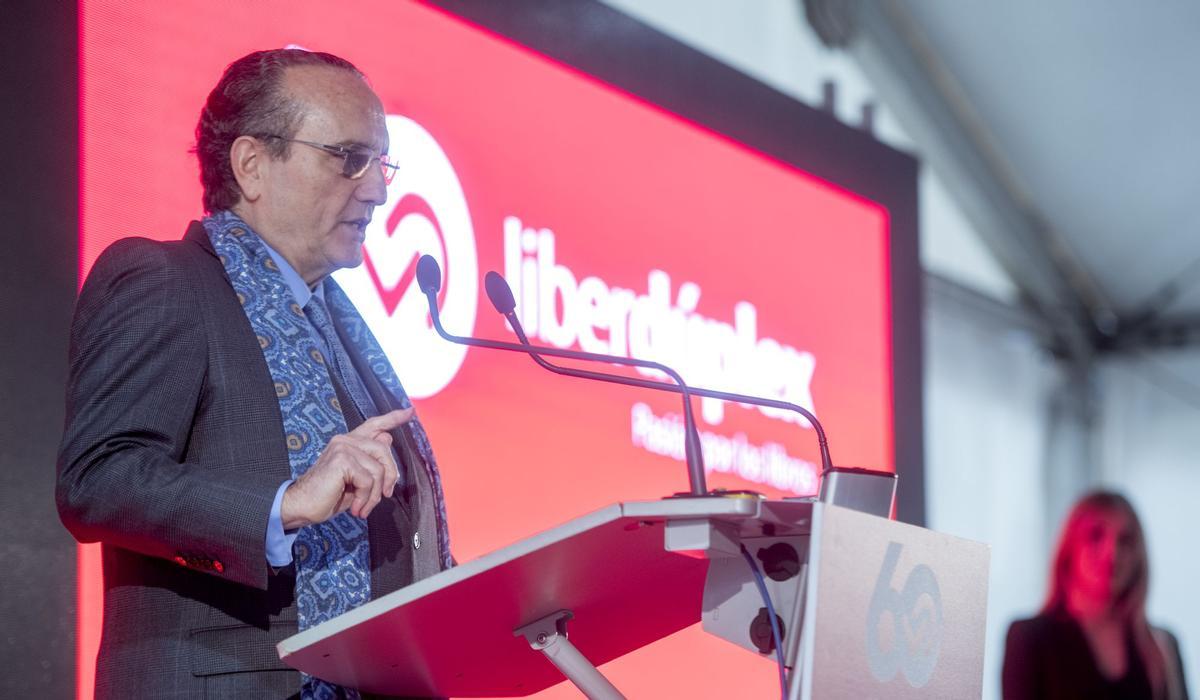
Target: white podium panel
897, 611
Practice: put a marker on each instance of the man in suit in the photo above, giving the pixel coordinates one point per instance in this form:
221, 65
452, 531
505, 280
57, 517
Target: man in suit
235, 437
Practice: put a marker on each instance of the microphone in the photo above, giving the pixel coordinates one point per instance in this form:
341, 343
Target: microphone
502, 299
429, 279
429, 275
501, 296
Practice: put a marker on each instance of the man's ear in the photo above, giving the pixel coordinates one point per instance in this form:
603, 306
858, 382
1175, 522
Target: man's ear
249, 162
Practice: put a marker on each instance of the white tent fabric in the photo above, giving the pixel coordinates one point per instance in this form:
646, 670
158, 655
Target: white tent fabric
1012, 436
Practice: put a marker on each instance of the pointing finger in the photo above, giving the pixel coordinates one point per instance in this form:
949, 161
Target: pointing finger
379, 424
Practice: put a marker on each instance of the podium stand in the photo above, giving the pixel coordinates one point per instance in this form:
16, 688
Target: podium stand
873, 608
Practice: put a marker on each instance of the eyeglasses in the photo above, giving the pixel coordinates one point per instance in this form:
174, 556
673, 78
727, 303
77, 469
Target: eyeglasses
355, 161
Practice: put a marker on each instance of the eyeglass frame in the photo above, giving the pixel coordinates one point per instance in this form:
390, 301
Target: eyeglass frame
388, 167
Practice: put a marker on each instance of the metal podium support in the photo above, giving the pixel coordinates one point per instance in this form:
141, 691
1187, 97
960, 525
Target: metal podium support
549, 636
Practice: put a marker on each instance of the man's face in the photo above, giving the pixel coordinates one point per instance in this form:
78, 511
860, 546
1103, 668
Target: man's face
311, 213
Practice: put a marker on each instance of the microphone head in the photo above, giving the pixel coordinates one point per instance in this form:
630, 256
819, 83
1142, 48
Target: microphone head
499, 292
429, 275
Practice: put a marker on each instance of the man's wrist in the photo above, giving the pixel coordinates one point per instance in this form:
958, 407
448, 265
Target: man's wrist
287, 509
278, 540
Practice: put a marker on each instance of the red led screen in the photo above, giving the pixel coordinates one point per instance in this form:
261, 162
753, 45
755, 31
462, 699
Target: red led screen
623, 229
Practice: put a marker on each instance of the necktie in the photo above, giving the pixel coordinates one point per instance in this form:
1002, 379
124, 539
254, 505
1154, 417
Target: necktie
339, 361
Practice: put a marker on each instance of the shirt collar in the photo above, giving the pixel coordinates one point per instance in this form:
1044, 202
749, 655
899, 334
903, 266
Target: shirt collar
294, 281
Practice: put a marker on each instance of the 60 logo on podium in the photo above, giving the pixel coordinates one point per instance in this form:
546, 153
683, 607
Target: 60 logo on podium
904, 628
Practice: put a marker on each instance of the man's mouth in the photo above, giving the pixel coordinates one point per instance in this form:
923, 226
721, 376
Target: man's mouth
360, 224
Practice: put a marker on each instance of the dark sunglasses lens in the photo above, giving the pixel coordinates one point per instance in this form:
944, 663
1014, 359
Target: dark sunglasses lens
357, 163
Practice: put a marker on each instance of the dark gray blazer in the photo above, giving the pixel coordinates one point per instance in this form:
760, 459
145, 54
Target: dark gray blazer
171, 457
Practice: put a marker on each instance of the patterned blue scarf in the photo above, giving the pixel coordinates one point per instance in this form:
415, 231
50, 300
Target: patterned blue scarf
332, 558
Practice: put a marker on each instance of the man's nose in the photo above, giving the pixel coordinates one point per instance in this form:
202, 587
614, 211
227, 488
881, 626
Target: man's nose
372, 189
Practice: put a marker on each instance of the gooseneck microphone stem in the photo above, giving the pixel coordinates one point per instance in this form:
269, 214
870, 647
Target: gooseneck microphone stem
692, 453
534, 352
501, 297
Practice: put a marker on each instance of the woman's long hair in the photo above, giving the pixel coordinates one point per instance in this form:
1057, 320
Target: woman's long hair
1129, 604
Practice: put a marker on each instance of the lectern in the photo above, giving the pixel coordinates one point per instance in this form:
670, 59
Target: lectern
867, 607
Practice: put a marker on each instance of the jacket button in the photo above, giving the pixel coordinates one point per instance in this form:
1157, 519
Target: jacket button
416, 540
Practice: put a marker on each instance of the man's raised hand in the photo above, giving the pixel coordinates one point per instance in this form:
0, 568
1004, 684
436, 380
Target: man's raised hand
354, 473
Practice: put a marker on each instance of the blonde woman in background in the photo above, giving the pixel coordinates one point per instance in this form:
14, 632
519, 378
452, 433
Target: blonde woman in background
1092, 640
